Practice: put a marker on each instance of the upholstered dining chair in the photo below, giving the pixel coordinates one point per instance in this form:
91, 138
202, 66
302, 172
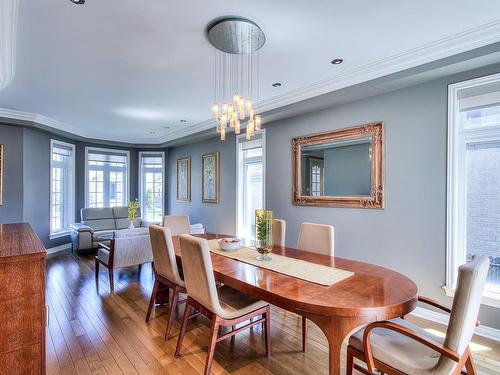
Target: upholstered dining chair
279, 232
166, 272
399, 347
224, 306
319, 239
178, 224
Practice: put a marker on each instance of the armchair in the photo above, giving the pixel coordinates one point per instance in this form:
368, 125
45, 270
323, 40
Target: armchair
127, 248
399, 347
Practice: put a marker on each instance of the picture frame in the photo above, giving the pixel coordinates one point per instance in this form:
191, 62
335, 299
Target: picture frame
210, 178
184, 179
1, 174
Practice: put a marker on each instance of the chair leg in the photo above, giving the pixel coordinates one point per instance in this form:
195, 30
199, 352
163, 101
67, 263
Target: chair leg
267, 331
350, 362
111, 281
139, 271
214, 329
173, 306
304, 333
469, 365
152, 300
185, 320
96, 271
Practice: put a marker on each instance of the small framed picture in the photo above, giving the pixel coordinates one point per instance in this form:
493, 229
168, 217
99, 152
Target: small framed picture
184, 179
210, 178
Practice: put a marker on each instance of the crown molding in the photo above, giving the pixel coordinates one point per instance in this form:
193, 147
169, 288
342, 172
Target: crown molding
8, 37
451, 45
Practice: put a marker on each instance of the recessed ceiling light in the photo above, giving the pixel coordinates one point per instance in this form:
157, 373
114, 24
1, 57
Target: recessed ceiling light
337, 61
184, 121
276, 84
77, 1
152, 133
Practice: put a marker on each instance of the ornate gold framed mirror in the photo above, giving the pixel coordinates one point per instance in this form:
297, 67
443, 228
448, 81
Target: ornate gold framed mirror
341, 168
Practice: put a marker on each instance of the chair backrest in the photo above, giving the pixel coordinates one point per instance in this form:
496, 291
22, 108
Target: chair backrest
316, 238
164, 254
198, 272
131, 251
178, 224
466, 303
279, 232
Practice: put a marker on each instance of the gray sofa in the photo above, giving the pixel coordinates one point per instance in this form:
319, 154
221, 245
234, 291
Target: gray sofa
98, 224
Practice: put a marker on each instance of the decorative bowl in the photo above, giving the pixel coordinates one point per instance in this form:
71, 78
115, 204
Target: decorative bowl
229, 244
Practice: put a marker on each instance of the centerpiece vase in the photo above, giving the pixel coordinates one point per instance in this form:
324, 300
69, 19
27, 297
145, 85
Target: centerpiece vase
264, 233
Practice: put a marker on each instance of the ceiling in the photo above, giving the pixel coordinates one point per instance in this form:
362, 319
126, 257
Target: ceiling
130, 71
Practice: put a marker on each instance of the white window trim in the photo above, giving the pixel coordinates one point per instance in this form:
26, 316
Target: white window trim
87, 149
71, 208
264, 162
458, 137
141, 177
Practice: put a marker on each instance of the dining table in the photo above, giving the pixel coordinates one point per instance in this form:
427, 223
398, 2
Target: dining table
372, 293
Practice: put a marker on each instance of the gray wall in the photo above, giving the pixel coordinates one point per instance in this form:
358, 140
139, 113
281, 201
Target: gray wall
12, 139
409, 235
216, 217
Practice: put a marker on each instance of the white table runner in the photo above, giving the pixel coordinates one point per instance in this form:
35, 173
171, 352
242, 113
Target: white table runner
315, 273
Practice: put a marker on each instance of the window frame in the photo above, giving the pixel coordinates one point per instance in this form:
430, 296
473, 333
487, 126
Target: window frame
111, 150
141, 179
261, 132
72, 193
459, 136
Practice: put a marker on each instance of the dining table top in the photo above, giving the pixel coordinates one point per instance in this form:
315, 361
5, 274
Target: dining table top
371, 291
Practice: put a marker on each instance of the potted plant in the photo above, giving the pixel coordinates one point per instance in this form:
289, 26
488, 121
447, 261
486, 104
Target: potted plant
264, 233
133, 208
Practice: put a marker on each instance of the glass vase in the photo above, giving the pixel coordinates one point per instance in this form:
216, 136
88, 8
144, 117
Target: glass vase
264, 233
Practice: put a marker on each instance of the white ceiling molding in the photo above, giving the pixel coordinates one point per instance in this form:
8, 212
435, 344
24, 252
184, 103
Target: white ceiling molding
8, 36
451, 45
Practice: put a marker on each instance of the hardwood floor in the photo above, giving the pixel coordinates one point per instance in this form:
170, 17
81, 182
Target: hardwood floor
93, 332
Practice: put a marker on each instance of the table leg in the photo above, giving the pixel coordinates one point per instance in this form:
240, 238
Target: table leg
336, 329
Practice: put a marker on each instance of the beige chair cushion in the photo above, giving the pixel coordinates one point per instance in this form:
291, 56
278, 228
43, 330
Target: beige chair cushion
235, 304
164, 254
200, 282
399, 351
178, 224
279, 232
316, 238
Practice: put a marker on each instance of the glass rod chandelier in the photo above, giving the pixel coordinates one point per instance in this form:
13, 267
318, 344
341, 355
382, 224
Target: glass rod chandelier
237, 42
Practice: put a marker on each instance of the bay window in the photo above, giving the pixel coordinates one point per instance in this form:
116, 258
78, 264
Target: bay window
107, 174
62, 187
151, 185
473, 226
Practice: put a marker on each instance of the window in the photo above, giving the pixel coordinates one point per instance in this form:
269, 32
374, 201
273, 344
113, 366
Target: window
62, 187
151, 166
250, 180
106, 183
316, 172
473, 226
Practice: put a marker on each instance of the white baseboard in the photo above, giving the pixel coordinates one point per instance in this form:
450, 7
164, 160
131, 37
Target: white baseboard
56, 249
437, 317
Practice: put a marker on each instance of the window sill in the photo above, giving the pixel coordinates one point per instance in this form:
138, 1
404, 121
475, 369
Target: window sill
489, 298
65, 233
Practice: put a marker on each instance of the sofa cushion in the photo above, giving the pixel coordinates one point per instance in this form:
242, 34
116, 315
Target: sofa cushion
96, 213
100, 224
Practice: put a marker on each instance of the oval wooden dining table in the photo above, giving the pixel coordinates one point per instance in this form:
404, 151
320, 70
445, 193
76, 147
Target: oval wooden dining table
373, 293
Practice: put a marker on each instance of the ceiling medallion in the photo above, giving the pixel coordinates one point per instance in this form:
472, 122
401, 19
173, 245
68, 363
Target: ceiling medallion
236, 43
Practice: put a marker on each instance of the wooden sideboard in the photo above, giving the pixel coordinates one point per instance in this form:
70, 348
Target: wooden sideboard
22, 301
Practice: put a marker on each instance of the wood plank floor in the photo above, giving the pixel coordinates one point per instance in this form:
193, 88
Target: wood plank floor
93, 332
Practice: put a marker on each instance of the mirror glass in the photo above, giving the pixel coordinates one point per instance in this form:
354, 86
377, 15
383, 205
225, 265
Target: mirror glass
339, 168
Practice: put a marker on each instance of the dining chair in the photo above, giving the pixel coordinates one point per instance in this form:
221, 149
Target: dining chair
319, 239
279, 232
224, 306
166, 272
399, 347
178, 224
